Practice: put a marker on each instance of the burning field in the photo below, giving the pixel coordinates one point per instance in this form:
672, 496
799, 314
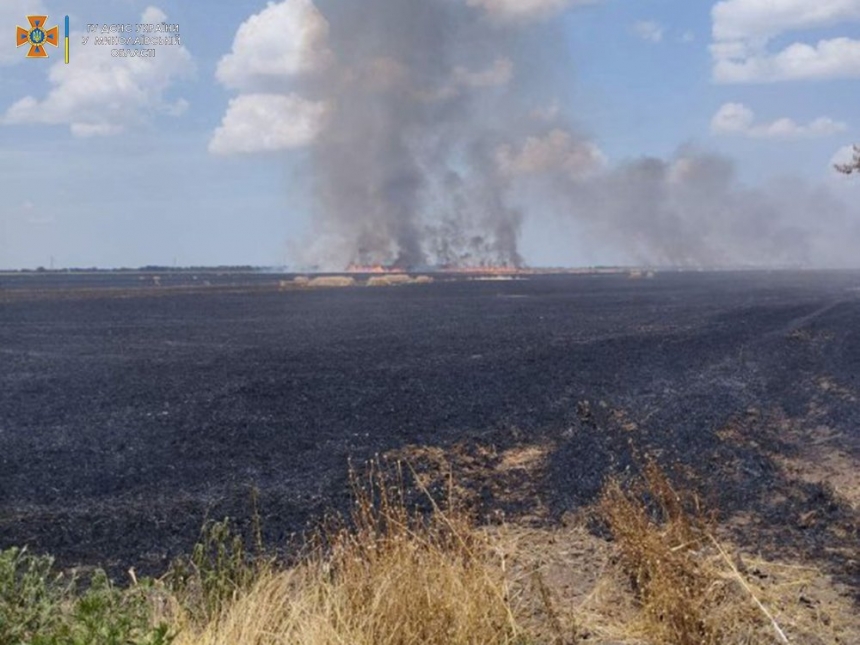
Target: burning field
128, 419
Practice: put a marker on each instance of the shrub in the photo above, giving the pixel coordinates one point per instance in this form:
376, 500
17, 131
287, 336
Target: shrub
39, 606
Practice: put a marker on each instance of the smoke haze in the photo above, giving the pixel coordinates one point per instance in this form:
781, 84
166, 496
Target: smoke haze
435, 129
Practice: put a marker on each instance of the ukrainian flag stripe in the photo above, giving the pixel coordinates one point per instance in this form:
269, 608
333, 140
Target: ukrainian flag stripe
67, 40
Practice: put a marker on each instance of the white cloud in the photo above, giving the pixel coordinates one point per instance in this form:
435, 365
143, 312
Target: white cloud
500, 73
557, 152
285, 39
754, 19
100, 95
153, 15
732, 118
743, 29
688, 37
523, 10
12, 14
836, 58
268, 123
649, 31
738, 119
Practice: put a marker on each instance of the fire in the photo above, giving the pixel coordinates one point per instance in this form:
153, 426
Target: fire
373, 268
380, 269
486, 270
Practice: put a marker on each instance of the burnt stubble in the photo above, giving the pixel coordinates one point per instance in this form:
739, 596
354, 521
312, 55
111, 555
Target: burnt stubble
129, 416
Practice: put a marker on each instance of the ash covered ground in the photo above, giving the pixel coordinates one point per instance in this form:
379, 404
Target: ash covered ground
128, 416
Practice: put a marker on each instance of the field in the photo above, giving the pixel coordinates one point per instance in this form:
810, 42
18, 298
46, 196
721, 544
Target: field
131, 409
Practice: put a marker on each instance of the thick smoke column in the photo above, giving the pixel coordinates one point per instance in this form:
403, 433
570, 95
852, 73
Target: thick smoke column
434, 129
404, 168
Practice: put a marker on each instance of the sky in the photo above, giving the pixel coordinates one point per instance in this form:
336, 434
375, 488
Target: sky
221, 150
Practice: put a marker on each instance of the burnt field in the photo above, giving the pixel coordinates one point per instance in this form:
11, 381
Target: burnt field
128, 417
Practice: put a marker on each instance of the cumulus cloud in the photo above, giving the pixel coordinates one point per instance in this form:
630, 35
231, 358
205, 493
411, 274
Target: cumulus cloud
836, 58
743, 29
754, 19
558, 152
738, 119
153, 15
283, 40
268, 123
102, 96
649, 31
523, 10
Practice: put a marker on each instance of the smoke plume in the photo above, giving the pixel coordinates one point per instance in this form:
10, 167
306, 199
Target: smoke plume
691, 210
404, 170
434, 129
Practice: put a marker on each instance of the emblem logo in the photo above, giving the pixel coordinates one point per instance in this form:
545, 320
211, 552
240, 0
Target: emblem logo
37, 36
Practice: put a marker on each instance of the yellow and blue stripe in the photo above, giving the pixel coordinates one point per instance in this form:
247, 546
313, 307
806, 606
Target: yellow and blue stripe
67, 40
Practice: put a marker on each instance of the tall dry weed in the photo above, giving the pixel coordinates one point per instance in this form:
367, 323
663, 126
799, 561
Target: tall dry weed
689, 590
390, 575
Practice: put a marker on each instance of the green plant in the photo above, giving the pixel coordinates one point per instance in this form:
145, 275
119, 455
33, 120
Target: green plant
30, 595
220, 567
39, 606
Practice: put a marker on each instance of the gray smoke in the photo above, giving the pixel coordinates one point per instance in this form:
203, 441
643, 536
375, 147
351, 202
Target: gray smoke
404, 170
439, 142
692, 211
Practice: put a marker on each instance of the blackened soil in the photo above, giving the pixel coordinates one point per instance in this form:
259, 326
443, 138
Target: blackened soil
126, 421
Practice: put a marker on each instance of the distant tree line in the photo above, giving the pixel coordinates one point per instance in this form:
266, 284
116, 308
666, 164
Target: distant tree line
145, 269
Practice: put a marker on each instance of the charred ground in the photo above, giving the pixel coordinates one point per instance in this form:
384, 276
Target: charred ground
128, 416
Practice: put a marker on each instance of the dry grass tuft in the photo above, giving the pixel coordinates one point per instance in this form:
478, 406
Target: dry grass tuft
396, 279
389, 280
390, 576
330, 281
689, 588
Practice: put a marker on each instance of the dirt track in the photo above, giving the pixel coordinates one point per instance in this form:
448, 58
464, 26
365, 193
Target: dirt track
124, 421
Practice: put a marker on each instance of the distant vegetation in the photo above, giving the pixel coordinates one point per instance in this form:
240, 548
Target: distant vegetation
145, 269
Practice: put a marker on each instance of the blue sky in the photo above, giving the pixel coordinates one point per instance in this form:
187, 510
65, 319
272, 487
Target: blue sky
122, 166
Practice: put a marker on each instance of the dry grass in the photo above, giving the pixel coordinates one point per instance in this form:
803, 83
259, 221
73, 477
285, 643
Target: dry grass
692, 589
390, 577
388, 280
331, 281
396, 279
